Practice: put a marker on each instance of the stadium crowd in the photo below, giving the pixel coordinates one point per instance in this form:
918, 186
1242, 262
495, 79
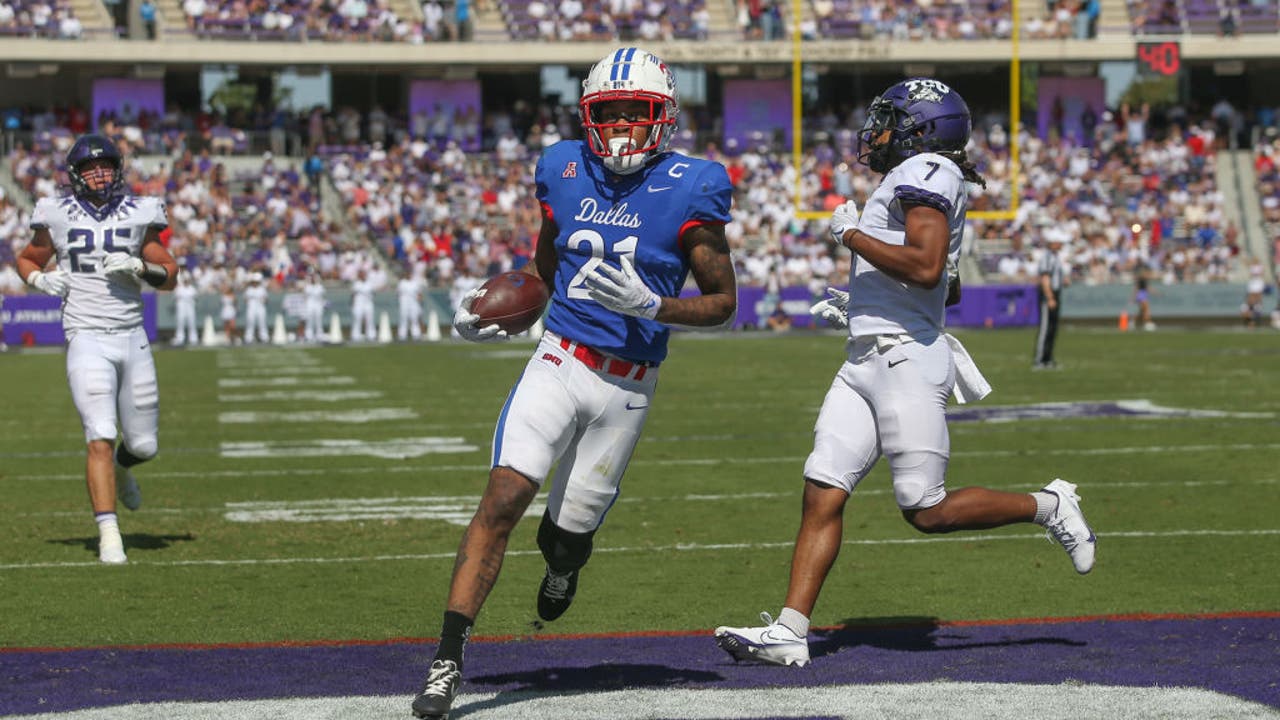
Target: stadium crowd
430, 196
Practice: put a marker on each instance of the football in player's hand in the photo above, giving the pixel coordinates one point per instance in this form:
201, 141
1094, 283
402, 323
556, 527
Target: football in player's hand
513, 301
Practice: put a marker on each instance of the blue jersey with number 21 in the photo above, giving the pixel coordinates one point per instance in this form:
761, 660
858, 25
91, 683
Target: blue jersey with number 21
602, 216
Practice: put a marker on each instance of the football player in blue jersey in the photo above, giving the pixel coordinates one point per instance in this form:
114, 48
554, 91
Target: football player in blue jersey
625, 222
106, 243
890, 396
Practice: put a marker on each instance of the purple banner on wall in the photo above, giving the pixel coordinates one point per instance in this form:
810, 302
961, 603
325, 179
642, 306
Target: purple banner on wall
126, 97
459, 99
983, 306
1063, 105
37, 319
756, 109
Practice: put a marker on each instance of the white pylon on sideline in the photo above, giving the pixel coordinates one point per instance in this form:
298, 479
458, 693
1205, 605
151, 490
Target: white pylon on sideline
535, 332
278, 335
208, 337
335, 330
433, 325
384, 328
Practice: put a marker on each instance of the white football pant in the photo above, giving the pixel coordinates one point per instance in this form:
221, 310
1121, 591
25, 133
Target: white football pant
890, 399
588, 420
314, 319
410, 321
113, 382
186, 325
362, 321
256, 319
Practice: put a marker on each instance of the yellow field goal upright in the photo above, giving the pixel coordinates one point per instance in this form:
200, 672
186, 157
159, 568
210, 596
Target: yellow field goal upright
797, 117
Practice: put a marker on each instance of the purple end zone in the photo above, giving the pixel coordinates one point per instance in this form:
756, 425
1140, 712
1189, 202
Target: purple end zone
1234, 655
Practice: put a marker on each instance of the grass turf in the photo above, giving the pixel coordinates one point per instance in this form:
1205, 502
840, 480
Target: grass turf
1184, 507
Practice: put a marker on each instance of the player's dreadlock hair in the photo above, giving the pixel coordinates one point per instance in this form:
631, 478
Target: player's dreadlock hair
968, 170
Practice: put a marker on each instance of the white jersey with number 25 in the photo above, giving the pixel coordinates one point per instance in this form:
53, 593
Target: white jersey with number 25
82, 236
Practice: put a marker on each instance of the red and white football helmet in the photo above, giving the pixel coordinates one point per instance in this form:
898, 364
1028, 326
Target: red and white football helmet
629, 74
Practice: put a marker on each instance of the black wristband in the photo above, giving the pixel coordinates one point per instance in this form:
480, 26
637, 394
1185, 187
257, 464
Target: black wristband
155, 275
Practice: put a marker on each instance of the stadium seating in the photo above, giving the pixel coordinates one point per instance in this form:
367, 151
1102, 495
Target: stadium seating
299, 20
601, 19
39, 19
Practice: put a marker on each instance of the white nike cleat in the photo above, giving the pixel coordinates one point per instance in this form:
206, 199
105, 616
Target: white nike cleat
111, 549
773, 644
1067, 526
127, 488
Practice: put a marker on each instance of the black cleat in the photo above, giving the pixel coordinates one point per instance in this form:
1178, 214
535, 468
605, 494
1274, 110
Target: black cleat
555, 594
438, 691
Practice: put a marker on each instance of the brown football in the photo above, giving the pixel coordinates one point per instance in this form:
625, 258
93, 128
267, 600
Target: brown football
513, 301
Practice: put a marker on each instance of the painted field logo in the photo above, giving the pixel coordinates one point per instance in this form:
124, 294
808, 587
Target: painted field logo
1117, 408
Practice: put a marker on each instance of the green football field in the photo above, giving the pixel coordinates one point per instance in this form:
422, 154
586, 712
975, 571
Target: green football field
319, 493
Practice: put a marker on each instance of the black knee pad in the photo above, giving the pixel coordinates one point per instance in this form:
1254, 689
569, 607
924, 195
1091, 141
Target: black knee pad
563, 550
127, 459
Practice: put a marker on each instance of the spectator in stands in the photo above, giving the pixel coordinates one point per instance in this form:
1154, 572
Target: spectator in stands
462, 16
147, 12
10, 282
778, 320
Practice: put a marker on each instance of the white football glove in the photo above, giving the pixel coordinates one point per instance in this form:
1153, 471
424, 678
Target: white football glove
121, 263
54, 282
834, 309
843, 219
464, 321
622, 290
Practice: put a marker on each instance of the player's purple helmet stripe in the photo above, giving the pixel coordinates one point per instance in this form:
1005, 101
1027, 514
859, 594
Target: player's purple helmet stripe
922, 115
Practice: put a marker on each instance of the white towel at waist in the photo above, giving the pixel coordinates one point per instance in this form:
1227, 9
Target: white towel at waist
970, 385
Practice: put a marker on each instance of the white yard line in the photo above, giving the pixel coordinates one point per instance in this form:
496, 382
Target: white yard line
471, 500
777, 460
280, 370
661, 549
293, 395
285, 380
364, 415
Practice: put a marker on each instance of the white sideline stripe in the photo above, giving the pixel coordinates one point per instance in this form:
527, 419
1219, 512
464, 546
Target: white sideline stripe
902, 701
316, 395
678, 547
318, 416
286, 380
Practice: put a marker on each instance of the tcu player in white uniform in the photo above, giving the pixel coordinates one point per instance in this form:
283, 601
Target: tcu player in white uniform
615, 254
107, 244
409, 291
255, 310
362, 308
890, 396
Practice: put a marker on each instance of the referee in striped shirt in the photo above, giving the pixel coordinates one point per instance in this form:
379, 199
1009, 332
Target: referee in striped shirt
1050, 295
